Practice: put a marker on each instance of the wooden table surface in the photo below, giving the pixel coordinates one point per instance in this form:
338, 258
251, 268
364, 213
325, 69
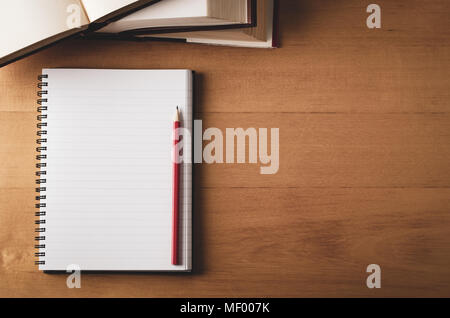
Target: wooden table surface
364, 119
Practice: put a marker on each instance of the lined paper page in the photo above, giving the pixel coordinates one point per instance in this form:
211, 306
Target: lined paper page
109, 169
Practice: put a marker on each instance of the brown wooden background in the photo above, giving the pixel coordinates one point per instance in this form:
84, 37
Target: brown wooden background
364, 118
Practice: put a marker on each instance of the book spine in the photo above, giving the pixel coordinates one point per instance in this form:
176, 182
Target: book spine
41, 172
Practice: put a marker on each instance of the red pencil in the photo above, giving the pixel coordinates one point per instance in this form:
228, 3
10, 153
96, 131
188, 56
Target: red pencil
175, 193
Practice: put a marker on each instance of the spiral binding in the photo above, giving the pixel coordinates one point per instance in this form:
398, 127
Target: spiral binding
40, 173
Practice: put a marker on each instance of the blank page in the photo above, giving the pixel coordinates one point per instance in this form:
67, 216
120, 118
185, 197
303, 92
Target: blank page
182, 13
109, 169
162, 14
171, 9
25, 22
97, 9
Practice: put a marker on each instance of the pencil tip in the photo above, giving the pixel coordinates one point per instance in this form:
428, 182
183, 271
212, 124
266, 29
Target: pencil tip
177, 115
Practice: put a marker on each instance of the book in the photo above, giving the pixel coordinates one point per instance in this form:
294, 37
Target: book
33, 25
104, 186
186, 15
261, 33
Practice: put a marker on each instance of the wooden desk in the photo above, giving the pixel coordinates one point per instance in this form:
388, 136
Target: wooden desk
364, 118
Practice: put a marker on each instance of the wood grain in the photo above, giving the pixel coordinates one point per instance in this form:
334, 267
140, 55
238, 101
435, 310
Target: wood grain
364, 118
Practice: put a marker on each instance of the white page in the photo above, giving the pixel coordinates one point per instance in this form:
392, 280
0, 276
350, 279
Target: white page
109, 169
25, 22
171, 13
162, 14
167, 9
96, 9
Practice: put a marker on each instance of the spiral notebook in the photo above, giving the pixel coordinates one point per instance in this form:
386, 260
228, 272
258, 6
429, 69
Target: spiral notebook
105, 169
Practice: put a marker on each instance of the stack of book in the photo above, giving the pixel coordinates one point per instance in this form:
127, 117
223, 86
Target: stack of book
36, 24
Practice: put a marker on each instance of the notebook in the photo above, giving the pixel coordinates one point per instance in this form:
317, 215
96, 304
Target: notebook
105, 169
